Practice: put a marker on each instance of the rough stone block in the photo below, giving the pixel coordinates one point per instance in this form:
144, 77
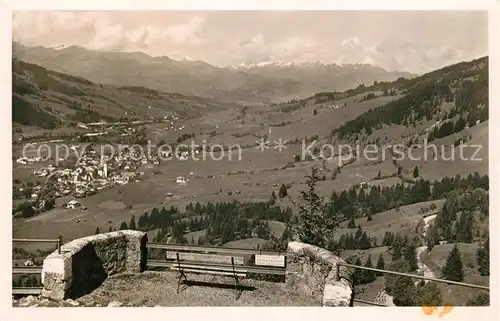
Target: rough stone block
313, 271
84, 263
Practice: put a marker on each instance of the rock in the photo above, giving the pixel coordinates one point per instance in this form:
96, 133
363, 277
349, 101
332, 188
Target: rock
72, 302
29, 298
44, 302
114, 304
27, 301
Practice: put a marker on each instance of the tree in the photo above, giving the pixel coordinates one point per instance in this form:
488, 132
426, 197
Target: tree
314, 226
131, 226
481, 299
97, 231
110, 229
358, 273
416, 172
369, 217
459, 125
283, 191
364, 242
123, 226
369, 276
352, 223
379, 175
26, 209
315, 112
380, 264
483, 258
400, 170
431, 237
411, 257
49, 204
397, 266
272, 200
453, 269
404, 291
397, 250
428, 294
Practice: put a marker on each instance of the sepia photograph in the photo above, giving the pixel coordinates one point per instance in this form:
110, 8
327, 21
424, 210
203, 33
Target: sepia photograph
175, 158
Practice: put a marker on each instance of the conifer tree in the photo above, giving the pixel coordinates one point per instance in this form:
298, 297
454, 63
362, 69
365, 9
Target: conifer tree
272, 200
483, 258
123, 226
380, 264
369, 217
397, 250
283, 191
369, 276
411, 257
453, 269
416, 172
110, 229
352, 223
428, 294
97, 231
314, 226
132, 226
358, 273
431, 237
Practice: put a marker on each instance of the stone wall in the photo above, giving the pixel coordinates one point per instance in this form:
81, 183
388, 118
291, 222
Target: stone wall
85, 263
313, 271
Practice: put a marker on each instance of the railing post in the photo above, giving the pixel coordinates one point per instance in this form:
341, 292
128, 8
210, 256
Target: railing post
338, 271
58, 246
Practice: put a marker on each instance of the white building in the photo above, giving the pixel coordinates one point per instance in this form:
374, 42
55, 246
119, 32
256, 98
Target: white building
180, 180
72, 204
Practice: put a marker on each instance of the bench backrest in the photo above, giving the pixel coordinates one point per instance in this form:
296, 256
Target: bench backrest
222, 255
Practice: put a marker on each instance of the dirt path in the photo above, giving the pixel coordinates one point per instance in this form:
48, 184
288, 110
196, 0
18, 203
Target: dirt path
383, 297
422, 268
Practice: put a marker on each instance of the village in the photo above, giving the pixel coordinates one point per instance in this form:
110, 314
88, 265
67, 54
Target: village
92, 173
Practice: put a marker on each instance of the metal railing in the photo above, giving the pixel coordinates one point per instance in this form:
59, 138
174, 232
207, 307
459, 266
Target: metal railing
31, 269
57, 241
413, 276
215, 249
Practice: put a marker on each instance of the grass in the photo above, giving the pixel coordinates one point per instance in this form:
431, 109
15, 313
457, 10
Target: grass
404, 221
195, 235
276, 227
454, 294
249, 243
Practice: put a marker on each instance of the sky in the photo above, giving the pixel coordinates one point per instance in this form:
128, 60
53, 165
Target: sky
414, 41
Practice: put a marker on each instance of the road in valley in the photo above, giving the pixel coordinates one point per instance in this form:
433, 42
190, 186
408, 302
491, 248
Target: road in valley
383, 297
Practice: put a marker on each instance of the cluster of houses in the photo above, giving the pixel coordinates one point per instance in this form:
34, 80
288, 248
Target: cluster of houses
336, 106
28, 160
91, 174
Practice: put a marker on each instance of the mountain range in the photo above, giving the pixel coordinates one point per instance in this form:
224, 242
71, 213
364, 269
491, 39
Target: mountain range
262, 82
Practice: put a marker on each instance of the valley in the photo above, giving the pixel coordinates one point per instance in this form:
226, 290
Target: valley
407, 211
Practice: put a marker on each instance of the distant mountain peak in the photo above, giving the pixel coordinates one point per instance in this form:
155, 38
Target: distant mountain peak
285, 64
276, 63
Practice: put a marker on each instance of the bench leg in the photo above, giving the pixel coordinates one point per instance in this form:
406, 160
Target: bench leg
238, 287
182, 275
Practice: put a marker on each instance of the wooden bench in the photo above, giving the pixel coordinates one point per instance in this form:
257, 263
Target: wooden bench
212, 268
212, 260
